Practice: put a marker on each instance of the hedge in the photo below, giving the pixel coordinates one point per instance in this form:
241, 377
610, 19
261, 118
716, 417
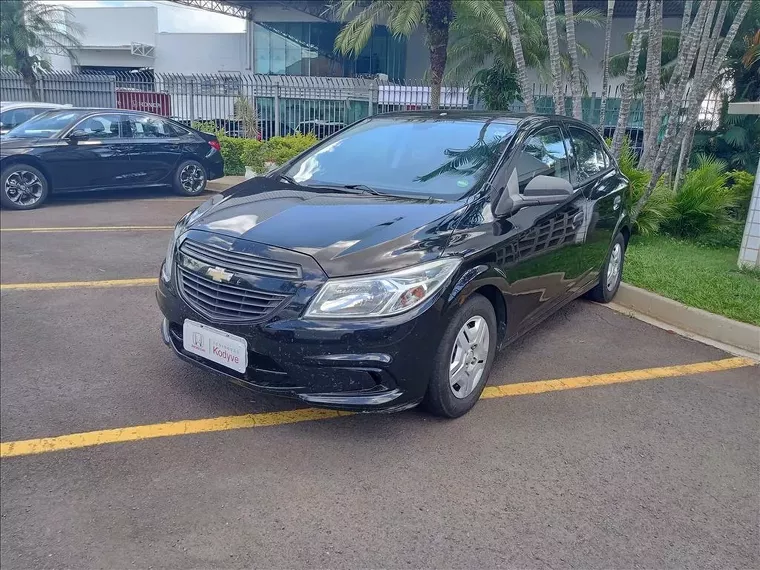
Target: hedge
239, 153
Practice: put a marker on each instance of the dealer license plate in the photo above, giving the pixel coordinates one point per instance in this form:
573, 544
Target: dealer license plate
215, 345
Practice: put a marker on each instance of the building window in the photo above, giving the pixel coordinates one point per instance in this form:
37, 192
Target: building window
307, 48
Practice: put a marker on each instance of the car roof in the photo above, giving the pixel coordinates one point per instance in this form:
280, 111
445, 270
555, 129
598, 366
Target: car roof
6, 105
471, 115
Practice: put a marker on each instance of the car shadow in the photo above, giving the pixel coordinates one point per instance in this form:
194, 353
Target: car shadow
121, 195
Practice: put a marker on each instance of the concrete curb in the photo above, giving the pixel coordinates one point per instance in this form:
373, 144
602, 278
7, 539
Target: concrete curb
720, 329
221, 184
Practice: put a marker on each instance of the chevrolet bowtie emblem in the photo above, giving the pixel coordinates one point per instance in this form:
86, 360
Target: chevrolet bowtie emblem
219, 274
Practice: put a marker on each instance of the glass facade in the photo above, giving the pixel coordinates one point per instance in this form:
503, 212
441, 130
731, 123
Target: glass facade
307, 48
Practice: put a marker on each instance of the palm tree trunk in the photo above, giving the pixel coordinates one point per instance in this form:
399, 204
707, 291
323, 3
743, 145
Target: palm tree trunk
654, 60
630, 76
438, 15
572, 48
27, 74
554, 57
606, 64
683, 157
514, 38
684, 95
668, 148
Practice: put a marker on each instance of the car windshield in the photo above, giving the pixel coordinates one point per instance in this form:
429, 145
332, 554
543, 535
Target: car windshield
437, 157
46, 125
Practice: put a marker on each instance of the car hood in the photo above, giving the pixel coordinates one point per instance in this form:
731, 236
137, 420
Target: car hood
347, 234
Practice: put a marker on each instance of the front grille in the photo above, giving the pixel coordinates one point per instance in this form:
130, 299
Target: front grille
225, 302
240, 262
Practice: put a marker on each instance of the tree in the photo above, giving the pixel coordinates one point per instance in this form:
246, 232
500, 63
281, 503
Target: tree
30, 30
514, 37
606, 64
699, 33
402, 19
627, 91
572, 48
554, 57
654, 61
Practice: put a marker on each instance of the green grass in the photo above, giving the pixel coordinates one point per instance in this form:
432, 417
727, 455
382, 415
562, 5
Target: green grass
699, 276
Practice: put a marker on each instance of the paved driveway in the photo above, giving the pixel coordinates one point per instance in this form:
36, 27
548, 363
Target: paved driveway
657, 467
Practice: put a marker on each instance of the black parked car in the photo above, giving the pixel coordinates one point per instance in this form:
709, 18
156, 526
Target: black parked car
385, 266
96, 149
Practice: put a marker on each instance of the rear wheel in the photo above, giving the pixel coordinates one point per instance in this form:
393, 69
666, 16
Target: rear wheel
23, 187
463, 362
611, 274
190, 178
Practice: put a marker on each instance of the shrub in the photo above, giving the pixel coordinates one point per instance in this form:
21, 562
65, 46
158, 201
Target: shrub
281, 149
742, 183
657, 208
704, 202
232, 150
251, 155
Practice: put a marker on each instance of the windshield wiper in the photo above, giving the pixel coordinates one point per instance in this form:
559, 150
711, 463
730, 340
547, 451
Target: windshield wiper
287, 179
364, 188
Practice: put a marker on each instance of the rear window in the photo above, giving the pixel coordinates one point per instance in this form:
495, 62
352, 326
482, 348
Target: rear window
46, 125
415, 156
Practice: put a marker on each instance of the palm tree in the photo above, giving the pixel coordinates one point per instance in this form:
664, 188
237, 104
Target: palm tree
514, 38
674, 135
606, 64
30, 30
402, 19
627, 92
654, 60
572, 48
554, 57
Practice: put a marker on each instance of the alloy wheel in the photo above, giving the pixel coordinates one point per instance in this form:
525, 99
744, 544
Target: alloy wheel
613, 267
192, 178
469, 357
23, 188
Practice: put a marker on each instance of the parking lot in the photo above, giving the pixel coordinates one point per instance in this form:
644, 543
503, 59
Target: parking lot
601, 442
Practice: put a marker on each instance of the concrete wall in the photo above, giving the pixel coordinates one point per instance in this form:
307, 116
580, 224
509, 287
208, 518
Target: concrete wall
117, 26
200, 53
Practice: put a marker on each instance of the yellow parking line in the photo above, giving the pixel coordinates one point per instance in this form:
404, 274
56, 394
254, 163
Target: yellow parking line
224, 423
78, 284
87, 229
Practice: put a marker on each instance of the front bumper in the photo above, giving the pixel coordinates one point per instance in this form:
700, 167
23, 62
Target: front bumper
349, 365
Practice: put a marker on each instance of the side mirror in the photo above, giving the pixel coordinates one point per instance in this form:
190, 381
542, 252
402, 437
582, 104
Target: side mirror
548, 186
541, 190
78, 135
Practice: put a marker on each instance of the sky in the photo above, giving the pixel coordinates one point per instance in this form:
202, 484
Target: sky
172, 17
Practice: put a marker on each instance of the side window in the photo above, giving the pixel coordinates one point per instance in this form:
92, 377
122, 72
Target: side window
590, 155
146, 127
14, 117
101, 127
543, 154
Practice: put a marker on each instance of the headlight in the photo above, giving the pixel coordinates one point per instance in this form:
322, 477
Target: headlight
384, 294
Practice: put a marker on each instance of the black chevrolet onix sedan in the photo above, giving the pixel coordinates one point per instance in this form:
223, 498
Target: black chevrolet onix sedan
386, 265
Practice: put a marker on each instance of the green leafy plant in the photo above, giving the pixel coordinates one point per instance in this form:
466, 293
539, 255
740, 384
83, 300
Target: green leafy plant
742, 183
251, 154
497, 86
658, 208
704, 202
281, 149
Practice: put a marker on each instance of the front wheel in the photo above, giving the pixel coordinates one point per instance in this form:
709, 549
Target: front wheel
463, 361
611, 274
23, 187
190, 178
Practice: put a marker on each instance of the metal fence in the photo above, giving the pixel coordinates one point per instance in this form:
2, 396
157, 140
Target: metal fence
284, 104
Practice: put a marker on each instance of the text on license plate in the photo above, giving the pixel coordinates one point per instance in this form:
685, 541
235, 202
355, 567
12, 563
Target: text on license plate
217, 346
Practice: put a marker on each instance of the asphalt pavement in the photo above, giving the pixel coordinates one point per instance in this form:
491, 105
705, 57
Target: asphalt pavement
661, 472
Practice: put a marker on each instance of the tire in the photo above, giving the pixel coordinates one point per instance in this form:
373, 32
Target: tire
23, 187
190, 178
450, 398
609, 278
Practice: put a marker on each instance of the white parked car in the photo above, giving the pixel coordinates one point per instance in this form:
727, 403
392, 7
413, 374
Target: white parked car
13, 113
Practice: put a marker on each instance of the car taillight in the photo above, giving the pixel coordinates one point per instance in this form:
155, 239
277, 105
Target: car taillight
215, 144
